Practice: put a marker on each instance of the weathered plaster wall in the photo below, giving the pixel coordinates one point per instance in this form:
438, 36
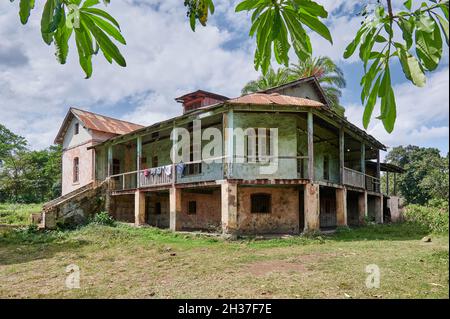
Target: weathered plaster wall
85, 157
287, 141
208, 215
284, 217
71, 139
158, 220
122, 208
304, 91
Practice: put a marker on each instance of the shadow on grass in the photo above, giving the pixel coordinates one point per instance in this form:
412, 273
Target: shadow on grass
396, 231
21, 246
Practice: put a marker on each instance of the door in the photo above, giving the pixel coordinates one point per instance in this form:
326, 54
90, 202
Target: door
327, 210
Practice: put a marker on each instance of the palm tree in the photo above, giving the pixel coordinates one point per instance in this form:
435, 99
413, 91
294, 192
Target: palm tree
271, 79
330, 76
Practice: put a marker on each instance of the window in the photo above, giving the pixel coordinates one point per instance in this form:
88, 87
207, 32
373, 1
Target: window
116, 166
192, 207
326, 167
261, 203
76, 170
158, 208
77, 128
258, 146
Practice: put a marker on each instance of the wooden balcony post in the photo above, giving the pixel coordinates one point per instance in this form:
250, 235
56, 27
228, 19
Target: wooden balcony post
110, 160
363, 163
395, 184
310, 146
138, 160
387, 183
378, 165
228, 142
341, 154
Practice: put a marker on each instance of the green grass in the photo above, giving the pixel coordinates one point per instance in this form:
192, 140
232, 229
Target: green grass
128, 262
17, 214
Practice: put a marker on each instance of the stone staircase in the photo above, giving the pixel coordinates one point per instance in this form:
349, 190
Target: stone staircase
73, 208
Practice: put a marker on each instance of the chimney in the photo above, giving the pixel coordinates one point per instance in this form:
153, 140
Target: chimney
198, 99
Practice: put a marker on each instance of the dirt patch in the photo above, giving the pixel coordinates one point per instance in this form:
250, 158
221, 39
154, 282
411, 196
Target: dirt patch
263, 268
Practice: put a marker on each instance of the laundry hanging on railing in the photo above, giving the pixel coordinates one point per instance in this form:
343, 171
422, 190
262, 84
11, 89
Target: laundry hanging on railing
180, 169
168, 170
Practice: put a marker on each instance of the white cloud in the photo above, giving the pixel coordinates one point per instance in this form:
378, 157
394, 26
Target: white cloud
422, 114
164, 60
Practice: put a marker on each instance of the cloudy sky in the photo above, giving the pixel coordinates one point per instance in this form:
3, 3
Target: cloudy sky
166, 59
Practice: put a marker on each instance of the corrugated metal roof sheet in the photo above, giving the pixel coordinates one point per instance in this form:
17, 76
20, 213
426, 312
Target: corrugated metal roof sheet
274, 98
103, 123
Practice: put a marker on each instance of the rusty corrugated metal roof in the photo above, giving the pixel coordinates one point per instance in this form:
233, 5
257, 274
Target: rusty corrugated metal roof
96, 122
274, 98
103, 123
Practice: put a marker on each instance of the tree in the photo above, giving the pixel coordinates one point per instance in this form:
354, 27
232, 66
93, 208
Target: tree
280, 25
330, 77
28, 176
271, 79
426, 173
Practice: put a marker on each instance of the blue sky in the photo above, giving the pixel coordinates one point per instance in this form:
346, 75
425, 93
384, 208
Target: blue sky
165, 59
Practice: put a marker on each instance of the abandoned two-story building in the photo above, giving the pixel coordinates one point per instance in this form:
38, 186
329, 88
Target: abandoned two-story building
327, 169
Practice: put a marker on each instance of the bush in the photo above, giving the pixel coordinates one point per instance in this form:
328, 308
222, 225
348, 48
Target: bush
103, 218
434, 216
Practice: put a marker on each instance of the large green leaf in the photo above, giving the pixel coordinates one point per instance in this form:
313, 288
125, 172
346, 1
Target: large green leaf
246, 5
314, 24
351, 47
106, 45
47, 21
85, 50
368, 110
61, 37
108, 28
102, 14
312, 8
444, 26
429, 47
388, 110
411, 67
25, 8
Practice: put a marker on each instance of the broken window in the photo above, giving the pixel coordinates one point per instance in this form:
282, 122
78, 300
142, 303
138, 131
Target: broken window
192, 207
258, 145
261, 203
77, 128
76, 170
116, 166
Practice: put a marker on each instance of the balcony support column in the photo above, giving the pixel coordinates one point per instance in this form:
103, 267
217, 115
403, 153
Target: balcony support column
341, 154
310, 146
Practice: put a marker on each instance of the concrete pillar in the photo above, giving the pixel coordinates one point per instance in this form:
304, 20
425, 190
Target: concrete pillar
229, 207
379, 209
341, 206
362, 207
394, 207
175, 208
139, 208
312, 207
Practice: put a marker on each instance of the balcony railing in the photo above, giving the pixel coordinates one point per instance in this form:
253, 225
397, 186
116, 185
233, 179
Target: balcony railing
354, 178
155, 176
373, 184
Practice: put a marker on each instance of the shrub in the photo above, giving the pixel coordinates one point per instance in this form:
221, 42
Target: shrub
103, 218
434, 218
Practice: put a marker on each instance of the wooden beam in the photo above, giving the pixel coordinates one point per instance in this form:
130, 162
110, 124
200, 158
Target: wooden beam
110, 160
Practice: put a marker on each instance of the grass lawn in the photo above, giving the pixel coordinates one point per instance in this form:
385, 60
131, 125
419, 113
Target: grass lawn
128, 262
17, 214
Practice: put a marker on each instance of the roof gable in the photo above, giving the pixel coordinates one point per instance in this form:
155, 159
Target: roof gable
311, 80
95, 122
